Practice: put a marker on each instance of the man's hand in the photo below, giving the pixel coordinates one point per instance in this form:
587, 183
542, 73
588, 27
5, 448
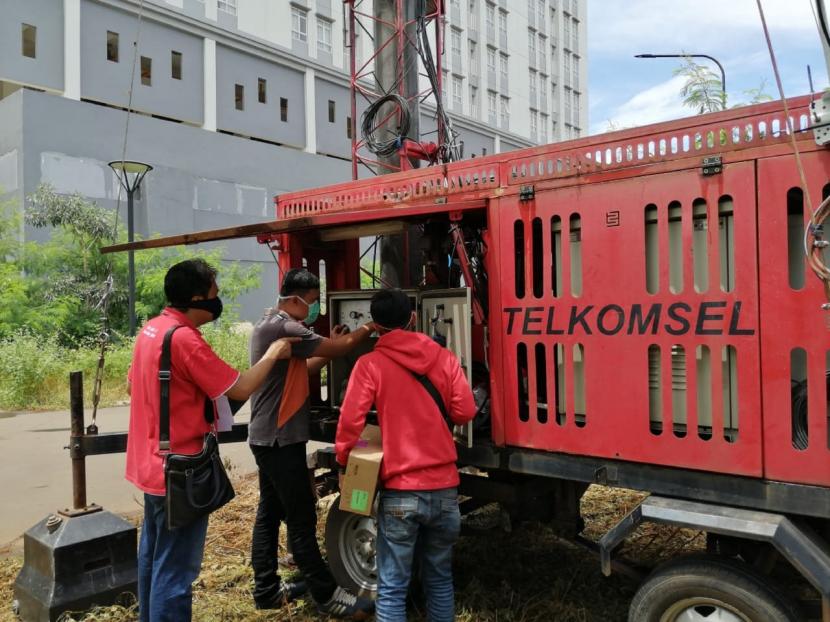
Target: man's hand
339, 331
281, 348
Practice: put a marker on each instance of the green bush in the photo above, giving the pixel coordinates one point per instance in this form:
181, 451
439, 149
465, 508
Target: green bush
34, 370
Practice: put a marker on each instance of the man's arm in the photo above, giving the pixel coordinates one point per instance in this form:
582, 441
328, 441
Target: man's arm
332, 348
317, 363
462, 403
360, 395
250, 379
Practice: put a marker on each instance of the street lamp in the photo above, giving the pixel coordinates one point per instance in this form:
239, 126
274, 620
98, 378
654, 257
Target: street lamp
711, 58
130, 175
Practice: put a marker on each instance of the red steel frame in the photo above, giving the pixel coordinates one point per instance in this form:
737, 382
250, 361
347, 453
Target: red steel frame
622, 173
359, 75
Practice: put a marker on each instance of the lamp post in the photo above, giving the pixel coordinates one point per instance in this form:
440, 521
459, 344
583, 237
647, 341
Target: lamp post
130, 175
711, 58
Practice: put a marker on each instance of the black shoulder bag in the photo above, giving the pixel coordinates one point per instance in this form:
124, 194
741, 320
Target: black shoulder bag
195, 485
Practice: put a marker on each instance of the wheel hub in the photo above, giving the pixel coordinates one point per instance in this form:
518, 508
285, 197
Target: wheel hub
703, 610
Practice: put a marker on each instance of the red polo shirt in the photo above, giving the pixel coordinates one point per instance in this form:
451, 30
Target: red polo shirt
196, 372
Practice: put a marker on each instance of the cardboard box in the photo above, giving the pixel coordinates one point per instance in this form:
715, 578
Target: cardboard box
361, 480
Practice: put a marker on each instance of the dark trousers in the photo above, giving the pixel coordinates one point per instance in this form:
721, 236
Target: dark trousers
285, 495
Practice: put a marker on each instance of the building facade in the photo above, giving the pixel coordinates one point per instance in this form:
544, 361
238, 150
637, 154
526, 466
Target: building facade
239, 100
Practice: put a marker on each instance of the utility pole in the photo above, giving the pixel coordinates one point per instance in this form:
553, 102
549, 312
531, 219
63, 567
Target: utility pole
396, 71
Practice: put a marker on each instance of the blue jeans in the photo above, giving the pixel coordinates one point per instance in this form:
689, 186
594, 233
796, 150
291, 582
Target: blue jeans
431, 519
168, 564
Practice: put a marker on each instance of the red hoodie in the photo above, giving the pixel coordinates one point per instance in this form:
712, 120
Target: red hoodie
418, 448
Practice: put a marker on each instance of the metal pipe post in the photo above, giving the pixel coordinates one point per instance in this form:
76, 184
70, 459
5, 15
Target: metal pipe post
76, 430
131, 262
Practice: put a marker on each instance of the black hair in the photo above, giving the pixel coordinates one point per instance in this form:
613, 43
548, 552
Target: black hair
391, 308
298, 282
187, 279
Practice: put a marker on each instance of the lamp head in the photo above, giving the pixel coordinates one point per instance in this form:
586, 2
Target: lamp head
130, 173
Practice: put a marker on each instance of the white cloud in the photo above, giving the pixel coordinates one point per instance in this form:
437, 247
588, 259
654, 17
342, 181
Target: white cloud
657, 103
694, 25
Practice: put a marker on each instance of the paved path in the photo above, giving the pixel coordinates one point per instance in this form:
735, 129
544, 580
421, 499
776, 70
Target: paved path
36, 476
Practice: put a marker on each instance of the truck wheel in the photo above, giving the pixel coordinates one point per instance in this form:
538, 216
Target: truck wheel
350, 544
709, 589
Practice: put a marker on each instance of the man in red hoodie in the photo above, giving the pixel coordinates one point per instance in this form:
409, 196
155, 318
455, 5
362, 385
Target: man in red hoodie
418, 497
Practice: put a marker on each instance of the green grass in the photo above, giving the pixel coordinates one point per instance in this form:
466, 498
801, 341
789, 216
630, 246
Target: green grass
34, 369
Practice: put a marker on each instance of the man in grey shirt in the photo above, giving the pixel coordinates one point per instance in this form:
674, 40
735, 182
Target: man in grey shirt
277, 434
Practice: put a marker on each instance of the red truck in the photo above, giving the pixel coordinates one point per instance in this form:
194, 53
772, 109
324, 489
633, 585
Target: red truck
633, 309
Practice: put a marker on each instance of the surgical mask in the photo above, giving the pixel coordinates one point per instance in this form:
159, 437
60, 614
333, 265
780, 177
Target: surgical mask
313, 309
213, 305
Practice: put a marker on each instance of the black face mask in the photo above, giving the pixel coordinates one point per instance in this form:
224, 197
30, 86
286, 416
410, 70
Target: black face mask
213, 305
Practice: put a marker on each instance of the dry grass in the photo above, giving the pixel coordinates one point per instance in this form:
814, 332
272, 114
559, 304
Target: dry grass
527, 575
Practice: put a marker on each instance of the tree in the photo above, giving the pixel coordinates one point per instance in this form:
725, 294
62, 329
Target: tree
703, 89
56, 287
758, 95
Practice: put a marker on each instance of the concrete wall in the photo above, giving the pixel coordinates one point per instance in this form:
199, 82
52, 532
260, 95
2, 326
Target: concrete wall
259, 120
46, 69
107, 81
201, 180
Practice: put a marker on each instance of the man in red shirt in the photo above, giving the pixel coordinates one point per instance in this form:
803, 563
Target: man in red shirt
418, 497
169, 560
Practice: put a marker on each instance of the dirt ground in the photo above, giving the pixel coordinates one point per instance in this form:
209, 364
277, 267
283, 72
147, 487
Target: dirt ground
526, 574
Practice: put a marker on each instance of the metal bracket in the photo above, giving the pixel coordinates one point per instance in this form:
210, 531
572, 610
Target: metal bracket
712, 165
527, 193
796, 542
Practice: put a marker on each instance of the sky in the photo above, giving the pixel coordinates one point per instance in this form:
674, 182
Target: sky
627, 92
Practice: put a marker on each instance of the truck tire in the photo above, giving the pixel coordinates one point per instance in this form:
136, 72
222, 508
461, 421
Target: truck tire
704, 588
350, 544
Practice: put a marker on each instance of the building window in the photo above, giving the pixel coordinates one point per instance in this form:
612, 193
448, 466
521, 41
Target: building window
534, 124
543, 52
532, 86
239, 97
576, 109
543, 128
456, 92
455, 42
566, 68
112, 46
349, 128
323, 35
473, 101
472, 17
502, 24
566, 34
576, 36
146, 71
531, 47
543, 91
228, 6
540, 13
505, 112
491, 105
283, 109
28, 40
576, 72
491, 60
490, 17
176, 65
299, 24
331, 111
503, 67
473, 63
262, 91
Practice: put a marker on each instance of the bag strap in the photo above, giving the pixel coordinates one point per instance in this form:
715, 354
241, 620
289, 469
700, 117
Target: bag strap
164, 389
430, 388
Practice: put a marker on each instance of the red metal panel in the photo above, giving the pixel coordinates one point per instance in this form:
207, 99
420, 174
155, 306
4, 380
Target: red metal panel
616, 420
791, 319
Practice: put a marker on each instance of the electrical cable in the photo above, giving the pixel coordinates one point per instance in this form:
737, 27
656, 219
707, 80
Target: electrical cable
385, 147
822, 20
